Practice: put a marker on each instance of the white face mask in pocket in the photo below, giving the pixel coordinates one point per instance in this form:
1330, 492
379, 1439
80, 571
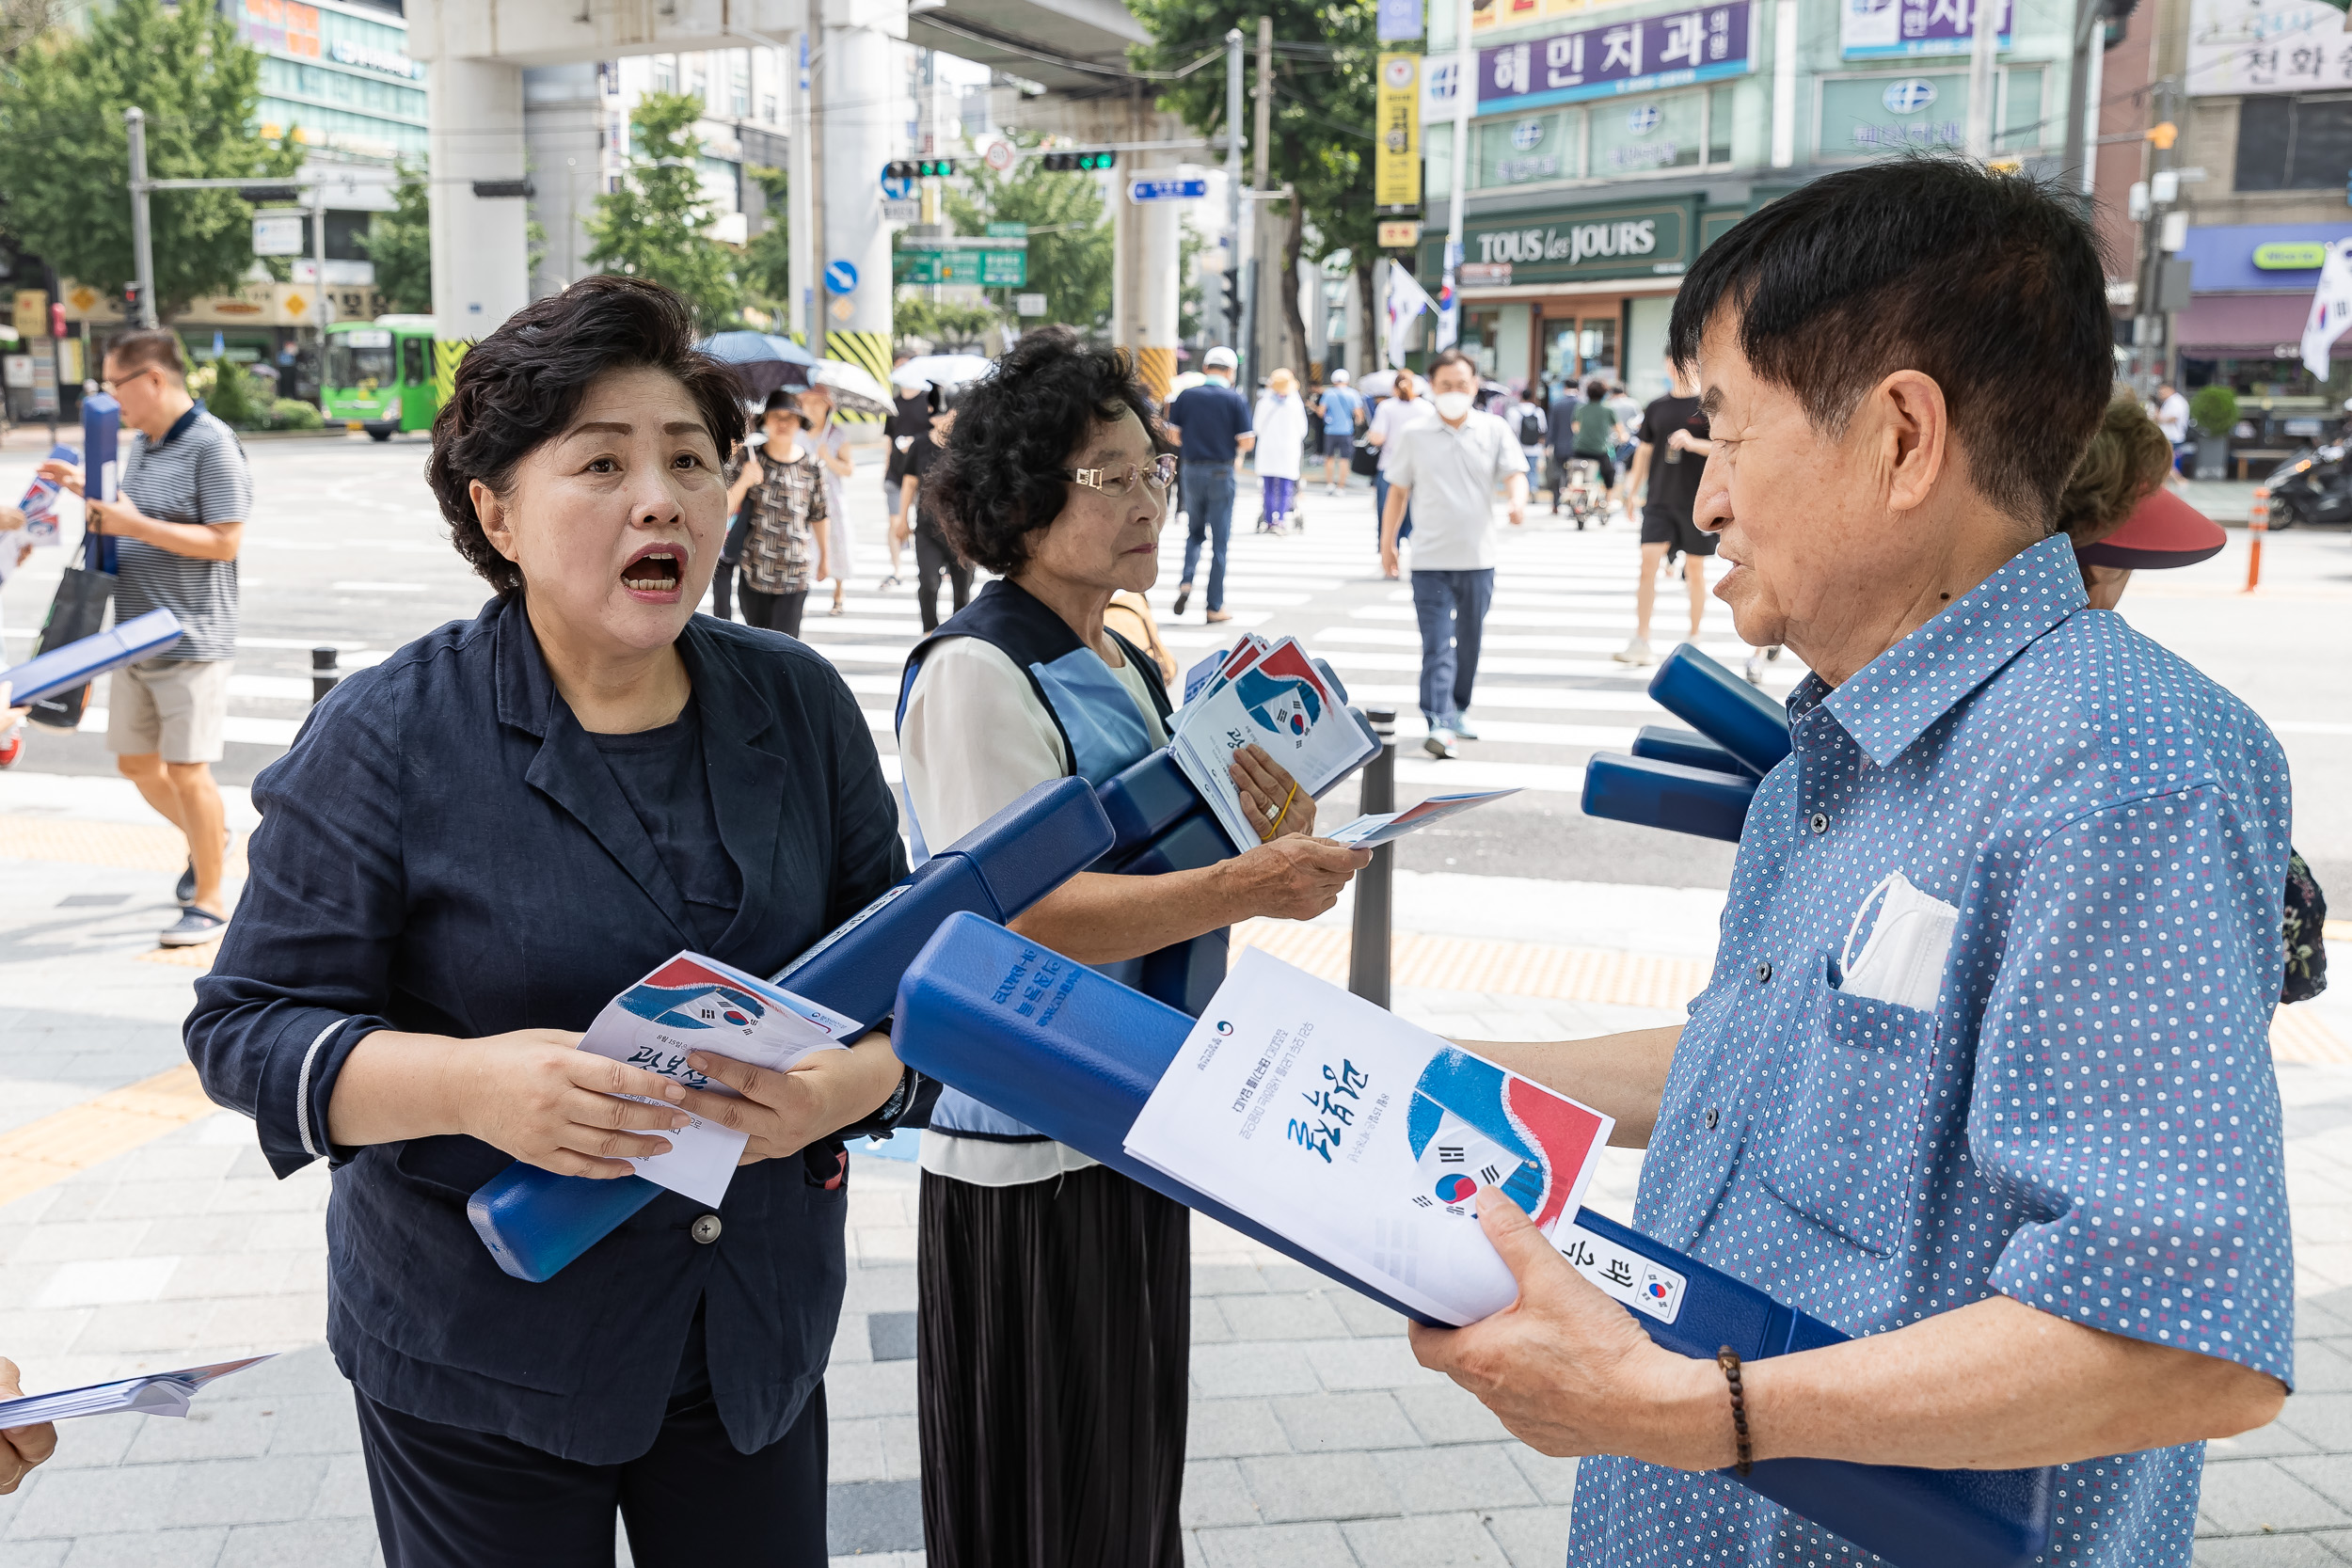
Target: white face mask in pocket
1904, 960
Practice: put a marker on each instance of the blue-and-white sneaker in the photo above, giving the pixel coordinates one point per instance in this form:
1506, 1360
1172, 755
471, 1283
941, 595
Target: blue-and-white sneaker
195, 928
1439, 744
1461, 727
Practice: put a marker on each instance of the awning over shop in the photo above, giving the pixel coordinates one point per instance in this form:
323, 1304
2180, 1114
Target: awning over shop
2247, 327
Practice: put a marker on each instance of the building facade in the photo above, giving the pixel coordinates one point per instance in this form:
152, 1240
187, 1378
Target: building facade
1610, 142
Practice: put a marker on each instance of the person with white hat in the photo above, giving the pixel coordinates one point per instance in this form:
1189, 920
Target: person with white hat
1341, 407
1211, 427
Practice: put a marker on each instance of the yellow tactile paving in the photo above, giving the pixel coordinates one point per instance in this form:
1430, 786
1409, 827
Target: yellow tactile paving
41, 1153
130, 846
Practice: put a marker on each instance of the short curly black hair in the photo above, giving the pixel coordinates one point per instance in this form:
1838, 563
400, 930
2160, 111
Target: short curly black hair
520, 387
1000, 481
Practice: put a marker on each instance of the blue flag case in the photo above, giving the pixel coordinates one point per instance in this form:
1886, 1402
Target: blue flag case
1076, 1054
81, 661
1699, 784
536, 1222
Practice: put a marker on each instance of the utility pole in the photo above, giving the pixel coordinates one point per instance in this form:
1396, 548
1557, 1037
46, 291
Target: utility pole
1984, 43
815, 100
1261, 264
142, 237
1232, 182
2152, 331
2081, 84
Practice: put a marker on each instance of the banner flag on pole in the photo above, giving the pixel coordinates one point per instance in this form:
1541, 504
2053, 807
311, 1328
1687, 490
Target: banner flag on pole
1406, 300
2331, 308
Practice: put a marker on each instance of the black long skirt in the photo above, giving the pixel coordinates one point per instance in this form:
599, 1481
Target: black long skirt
1054, 1329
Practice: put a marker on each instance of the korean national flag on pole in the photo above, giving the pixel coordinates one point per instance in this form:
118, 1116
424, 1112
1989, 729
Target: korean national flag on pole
2331, 308
1449, 299
1408, 299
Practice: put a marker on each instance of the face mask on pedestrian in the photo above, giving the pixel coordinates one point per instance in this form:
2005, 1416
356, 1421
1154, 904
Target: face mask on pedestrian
1452, 405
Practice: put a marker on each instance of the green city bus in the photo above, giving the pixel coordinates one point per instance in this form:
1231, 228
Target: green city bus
379, 375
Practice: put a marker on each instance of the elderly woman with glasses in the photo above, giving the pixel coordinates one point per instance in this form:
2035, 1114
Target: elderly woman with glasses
1054, 1295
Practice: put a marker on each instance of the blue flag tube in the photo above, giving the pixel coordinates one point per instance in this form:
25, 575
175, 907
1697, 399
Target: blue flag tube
101, 431
1654, 794
1722, 707
83, 661
1080, 1068
1663, 743
536, 1222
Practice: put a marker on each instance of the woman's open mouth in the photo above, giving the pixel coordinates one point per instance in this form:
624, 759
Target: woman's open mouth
655, 573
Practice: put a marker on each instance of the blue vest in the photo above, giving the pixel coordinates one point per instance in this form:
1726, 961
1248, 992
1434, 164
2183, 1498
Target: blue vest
1102, 733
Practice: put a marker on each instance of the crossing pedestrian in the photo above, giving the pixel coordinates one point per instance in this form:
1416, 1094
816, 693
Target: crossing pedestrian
1279, 421
825, 437
1340, 408
1402, 406
1532, 428
1210, 426
787, 539
916, 403
178, 519
934, 556
1560, 422
1054, 1317
470, 847
1448, 466
1669, 457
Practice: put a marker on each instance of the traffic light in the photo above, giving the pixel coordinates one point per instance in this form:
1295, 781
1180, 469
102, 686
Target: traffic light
1080, 163
936, 168
1232, 297
130, 300
57, 320
898, 168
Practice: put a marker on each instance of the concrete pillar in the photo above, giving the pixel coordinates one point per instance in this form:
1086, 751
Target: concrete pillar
855, 140
1158, 281
481, 261
562, 105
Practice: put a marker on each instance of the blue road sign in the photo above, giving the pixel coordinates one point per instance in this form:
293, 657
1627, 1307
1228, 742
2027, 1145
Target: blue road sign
1188, 189
841, 277
897, 187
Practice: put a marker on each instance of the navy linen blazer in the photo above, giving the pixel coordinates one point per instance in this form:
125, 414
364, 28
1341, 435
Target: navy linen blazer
444, 851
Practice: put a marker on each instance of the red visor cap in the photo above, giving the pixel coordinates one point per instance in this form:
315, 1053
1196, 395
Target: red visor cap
2163, 530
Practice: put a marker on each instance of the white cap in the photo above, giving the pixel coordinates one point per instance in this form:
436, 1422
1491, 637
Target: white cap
1218, 359
1339, 377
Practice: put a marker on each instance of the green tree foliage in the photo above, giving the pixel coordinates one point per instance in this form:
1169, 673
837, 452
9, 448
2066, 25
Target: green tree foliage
65, 184
768, 260
1070, 237
948, 325
400, 243
1325, 58
654, 225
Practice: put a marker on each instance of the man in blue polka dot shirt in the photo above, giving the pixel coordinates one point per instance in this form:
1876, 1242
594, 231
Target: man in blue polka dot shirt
1982, 1074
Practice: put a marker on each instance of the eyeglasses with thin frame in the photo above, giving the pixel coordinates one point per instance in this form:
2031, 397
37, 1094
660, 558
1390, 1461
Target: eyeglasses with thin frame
110, 384
1119, 483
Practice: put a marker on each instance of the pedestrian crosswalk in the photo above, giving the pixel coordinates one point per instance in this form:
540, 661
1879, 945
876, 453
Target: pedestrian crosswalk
1550, 693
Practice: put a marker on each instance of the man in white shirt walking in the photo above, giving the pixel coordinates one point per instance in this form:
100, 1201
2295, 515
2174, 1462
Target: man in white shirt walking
1446, 468
2172, 416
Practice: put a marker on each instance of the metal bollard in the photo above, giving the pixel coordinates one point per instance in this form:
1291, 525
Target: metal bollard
1368, 942
323, 675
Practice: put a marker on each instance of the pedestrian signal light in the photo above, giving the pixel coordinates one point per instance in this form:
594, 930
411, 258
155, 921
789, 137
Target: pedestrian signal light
1232, 297
57, 320
130, 298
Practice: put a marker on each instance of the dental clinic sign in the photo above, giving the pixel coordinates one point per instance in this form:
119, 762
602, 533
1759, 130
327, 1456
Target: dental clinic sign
1644, 55
1625, 239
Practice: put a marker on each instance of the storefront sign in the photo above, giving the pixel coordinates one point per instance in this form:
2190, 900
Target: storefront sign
1487, 15
1399, 234
1396, 155
1397, 21
2240, 46
30, 315
391, 62
1886, 29
1632, 239
280, 27
1643, 56
2290, 256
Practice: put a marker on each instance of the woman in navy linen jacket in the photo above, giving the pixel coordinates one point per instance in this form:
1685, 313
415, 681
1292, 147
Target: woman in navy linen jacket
469, 850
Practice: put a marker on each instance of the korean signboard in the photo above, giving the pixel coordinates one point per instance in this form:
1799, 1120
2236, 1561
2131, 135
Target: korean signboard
1396, 158
1892, 29
1644, 55
2241, 46
994, 267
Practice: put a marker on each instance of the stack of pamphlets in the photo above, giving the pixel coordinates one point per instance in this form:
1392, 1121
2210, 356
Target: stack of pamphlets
1371, 1143
39, 504
157, 1394
696, 1003
1271, 696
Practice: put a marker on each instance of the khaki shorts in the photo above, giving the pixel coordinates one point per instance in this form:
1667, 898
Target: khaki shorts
177, 709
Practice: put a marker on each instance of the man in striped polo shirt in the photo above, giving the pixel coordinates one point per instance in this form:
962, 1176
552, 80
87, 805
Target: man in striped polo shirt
178, 519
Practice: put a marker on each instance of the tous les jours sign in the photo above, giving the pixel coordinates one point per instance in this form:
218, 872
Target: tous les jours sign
1572, 244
